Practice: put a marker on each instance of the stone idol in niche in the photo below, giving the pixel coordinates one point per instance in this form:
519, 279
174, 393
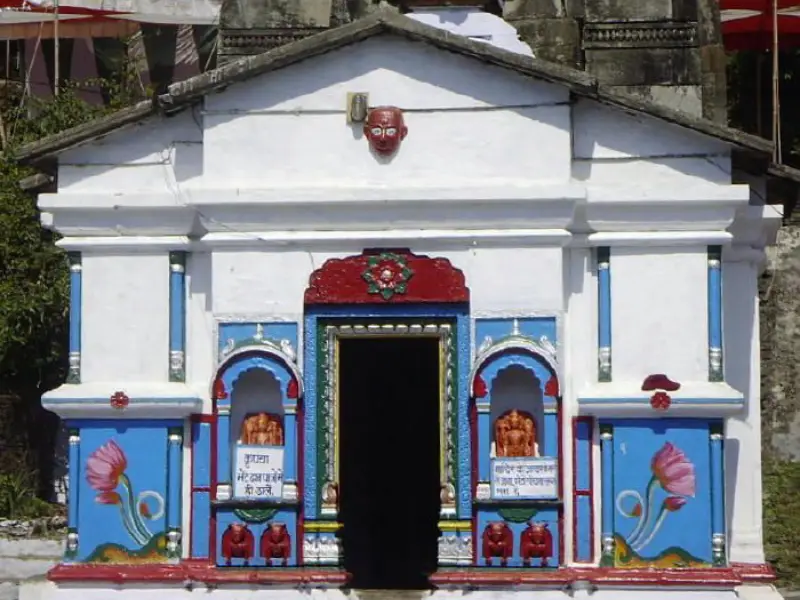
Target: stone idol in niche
262, 429
385, 129
515, 435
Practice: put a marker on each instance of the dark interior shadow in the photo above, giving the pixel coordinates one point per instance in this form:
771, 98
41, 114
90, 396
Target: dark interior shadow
389, 461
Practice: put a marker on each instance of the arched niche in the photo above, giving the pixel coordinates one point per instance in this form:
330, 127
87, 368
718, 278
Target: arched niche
514, 377
252, 382
516, 388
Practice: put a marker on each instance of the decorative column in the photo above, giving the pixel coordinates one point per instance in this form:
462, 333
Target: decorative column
175, 474
715, 370
483, 406
290, 455
74, 470
718, 541
177, 316
224, 489
604, 314
607, 479
75, 275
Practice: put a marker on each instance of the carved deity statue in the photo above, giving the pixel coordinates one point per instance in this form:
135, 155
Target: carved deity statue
498, 542
237, 542
536, 542
515, 434
276, 543
262, 429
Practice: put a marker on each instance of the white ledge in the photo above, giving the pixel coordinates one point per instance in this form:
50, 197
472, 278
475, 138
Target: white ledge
659, 238
334, 192
145, 401
694, 398
734, 195
131, 242
549, 237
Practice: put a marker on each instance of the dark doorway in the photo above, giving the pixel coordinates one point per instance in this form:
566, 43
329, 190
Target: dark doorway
389, 460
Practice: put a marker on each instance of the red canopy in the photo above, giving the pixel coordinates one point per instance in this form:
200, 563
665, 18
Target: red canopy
748, 24
98, 18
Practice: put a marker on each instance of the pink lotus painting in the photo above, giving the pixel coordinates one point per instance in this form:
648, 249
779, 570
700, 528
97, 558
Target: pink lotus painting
106, 474
674, 473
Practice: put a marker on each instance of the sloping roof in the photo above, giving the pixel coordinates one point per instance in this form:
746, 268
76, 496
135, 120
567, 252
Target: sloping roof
183, 94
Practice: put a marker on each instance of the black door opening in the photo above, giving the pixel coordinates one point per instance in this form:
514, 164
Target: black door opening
389, 460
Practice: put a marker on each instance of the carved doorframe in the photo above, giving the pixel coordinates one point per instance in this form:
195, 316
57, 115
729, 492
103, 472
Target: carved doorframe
384, 293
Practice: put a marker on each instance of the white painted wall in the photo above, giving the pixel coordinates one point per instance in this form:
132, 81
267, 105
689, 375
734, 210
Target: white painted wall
271, 152
659, 313
125, 318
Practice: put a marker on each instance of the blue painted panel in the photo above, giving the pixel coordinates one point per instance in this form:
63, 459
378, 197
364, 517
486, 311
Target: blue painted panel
74, 470
226, 517
225, 449
583, 528
75, 294
201, 454
239, 334
534, 327
662, 492
201, 516
583, 454
549, 516
550, 434
718, 485
177, 303
123, 490
174, 481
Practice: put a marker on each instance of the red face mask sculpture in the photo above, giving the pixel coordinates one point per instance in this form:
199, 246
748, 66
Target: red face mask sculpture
385, 129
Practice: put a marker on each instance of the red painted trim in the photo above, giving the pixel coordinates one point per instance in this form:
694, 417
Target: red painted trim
712, 577
300, 424
574, 489
560, 449
341, 281
193, 571
201, 572
473, 439
590, 421
581, 493
212, 521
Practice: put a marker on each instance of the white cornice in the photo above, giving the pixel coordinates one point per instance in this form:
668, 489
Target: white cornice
694, 398
145, 401
388, 237
659, 238
137, 243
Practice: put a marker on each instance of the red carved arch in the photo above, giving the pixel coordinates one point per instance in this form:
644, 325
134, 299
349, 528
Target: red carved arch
386, 277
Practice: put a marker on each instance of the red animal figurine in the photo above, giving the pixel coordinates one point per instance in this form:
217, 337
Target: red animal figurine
498, 542
276, 543
536, 542
237, 542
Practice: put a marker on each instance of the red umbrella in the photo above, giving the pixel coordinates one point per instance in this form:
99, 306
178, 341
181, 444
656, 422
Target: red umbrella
749, 24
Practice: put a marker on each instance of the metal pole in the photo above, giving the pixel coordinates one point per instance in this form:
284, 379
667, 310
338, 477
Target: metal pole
57, 66
776, 88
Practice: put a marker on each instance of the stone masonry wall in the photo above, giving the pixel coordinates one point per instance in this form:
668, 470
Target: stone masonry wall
780, 346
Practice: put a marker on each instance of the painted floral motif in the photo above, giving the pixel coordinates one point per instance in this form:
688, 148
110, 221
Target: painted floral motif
387, 274
674, 473
106, 474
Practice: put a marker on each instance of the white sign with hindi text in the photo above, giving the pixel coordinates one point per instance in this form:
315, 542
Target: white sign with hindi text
526, 478
258, 473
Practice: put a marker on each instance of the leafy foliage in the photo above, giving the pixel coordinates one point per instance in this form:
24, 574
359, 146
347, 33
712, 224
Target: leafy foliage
33, 271
782, 519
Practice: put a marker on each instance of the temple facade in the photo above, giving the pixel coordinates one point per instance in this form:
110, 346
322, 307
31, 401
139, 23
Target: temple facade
393, 308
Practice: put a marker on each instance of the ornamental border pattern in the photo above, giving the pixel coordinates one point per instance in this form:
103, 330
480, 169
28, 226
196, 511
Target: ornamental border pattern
327, 365
597, 36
